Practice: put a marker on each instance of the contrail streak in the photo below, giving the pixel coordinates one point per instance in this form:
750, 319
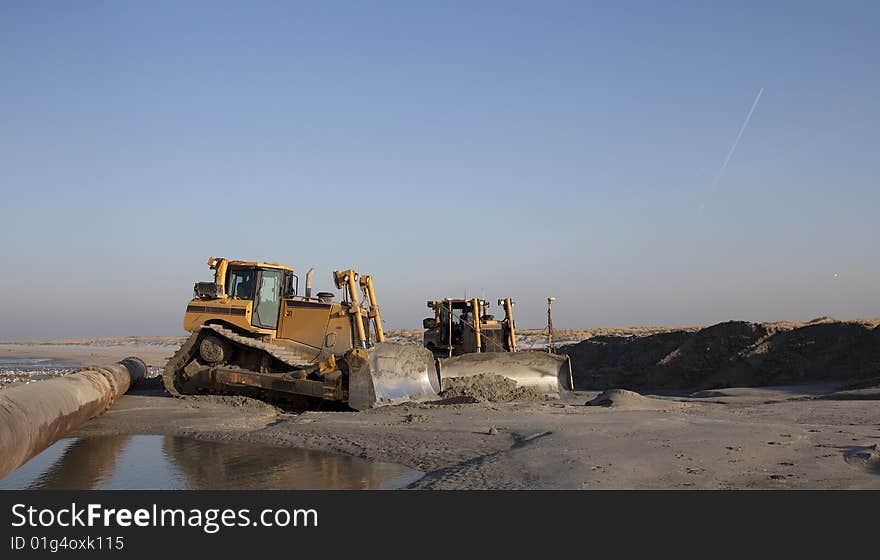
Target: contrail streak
736, 142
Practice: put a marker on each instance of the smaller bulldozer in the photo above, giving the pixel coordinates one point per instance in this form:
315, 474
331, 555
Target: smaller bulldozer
455, 330
255, 333
467, 341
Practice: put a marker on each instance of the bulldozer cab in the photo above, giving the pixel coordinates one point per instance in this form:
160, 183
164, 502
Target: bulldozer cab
245, 295
261, 298
264, 287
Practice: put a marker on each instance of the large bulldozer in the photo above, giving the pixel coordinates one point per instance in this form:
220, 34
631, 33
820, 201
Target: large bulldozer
254, 333
466, 341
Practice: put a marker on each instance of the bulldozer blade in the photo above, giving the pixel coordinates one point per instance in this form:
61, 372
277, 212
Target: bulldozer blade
547, 373
391, 373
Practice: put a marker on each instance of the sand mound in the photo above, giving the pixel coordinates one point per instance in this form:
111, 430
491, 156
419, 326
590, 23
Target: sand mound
869, 394
731, 354
710, 394
619, 398
868, 455
486, 387
736, 392
628, 400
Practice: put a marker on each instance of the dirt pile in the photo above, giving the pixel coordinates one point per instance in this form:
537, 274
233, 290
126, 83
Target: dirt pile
867, 456
622, 399
537, 338
735, 353
619, 398
484, 387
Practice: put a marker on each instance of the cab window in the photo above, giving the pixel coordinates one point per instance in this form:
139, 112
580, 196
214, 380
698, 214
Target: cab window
268, 299
240, 283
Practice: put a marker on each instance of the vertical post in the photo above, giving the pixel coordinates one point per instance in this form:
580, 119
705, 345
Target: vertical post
449, 321
475, 306
550, 301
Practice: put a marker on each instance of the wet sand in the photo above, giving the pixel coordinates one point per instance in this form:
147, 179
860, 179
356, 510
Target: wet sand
805, 436
792, 437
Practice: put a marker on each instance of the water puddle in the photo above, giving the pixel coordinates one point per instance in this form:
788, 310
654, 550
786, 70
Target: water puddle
146, 462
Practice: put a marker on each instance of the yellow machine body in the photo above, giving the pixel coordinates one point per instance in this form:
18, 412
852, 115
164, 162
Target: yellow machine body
314, 327
464, 326
255, 333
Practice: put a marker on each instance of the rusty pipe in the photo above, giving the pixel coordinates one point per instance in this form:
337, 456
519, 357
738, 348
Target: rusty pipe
34, 416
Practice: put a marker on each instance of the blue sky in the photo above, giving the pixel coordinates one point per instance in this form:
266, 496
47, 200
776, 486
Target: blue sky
507, 148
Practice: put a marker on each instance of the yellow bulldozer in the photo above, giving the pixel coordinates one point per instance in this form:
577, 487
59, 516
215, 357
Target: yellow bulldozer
453, 331
466, 341
254, 333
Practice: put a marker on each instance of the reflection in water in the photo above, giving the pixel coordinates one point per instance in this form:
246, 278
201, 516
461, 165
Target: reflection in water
84, 465
244, 466
170, 462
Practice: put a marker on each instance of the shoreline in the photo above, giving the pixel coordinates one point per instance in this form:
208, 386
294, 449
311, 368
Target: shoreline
793, 437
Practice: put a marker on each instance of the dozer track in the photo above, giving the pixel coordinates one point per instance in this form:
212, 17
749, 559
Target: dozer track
292, 359
385, 374
189, 350
177, 362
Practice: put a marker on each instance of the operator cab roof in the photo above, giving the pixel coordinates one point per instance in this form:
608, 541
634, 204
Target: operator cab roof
261, 264
456, 302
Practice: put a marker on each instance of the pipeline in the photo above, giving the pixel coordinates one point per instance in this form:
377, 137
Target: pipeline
34, 416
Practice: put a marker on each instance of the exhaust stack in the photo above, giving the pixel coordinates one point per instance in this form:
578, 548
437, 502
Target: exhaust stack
309, 275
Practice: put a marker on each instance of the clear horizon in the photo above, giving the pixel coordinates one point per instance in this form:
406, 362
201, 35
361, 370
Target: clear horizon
596, 152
